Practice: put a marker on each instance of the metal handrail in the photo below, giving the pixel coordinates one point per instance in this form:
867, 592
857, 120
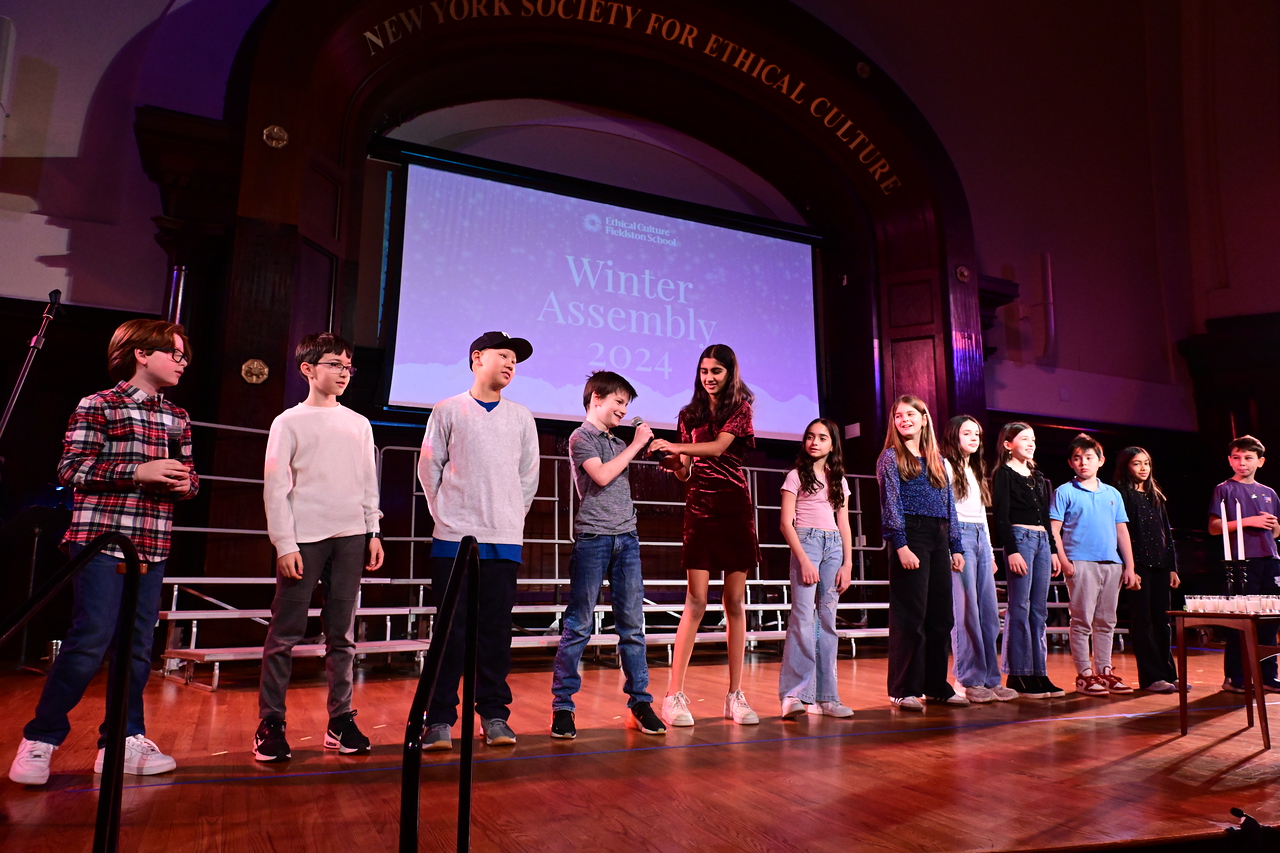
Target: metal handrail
466, 567
106, 831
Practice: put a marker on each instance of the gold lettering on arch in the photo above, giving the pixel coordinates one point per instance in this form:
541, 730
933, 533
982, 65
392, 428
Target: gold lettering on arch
393, 32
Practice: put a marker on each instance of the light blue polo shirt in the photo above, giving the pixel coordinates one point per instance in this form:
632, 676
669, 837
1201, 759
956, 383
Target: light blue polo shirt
1089, 521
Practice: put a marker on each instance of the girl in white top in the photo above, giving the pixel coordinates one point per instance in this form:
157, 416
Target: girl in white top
815, 523
973, 590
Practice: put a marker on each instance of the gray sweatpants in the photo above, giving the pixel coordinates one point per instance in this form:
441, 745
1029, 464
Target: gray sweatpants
1095, 595
336, 564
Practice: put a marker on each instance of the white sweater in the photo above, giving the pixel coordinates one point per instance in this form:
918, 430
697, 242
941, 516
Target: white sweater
479, 470
320, 480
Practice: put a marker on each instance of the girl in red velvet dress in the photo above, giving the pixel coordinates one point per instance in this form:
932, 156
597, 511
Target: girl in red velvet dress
719, 525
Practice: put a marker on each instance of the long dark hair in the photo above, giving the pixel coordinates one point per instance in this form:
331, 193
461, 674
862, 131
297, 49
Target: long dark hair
835, 466
1124, 478
1008, 433
732, 395
908, 464
952, 453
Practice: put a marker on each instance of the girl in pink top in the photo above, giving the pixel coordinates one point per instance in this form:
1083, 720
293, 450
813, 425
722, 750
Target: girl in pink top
815, 523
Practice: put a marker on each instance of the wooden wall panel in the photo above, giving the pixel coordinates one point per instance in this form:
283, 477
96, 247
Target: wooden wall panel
915, 371
321, 213
912, 302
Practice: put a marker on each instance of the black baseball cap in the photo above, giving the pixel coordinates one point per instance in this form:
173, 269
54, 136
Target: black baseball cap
501, 340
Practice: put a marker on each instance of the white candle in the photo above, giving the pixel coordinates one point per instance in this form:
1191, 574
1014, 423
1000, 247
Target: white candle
1226, 539
1239, 534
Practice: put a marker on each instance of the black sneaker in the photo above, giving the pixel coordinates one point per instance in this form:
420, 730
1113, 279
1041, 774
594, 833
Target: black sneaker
562, 724
1028, 686
1051, 690
269, 744
644, 719
345, 736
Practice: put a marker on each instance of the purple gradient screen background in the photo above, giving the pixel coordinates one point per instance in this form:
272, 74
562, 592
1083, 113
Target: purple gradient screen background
595, 286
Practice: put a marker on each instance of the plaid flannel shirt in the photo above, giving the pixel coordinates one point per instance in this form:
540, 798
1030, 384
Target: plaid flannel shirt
109, 436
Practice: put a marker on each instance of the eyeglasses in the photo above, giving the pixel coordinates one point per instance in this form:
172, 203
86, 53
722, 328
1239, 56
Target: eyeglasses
176, 354
339, 368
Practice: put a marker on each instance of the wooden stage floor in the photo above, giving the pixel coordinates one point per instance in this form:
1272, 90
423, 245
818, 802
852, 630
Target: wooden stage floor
1026, 775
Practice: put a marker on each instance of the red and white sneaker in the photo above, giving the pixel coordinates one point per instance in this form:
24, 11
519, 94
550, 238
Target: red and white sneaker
1091, 685
1113, 682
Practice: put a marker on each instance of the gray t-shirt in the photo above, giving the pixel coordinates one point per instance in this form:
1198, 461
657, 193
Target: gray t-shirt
605, 510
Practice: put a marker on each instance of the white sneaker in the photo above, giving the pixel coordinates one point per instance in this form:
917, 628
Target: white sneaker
31, 765
1003, 694
830, 709
979, 695
675, 710
907, 703
141, 758
792, 707
737, 709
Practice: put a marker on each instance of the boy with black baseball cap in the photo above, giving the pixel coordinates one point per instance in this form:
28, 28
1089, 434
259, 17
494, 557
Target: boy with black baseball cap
479, 470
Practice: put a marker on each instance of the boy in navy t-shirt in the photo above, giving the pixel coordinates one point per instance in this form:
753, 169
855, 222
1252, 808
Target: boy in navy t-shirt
1258, 508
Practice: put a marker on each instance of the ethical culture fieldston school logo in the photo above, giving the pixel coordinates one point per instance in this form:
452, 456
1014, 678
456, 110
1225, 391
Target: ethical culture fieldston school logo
629, 229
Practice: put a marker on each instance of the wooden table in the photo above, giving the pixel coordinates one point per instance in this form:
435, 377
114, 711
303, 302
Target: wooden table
1251, 650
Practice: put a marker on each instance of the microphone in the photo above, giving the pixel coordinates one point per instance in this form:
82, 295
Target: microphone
652, 455
175, 441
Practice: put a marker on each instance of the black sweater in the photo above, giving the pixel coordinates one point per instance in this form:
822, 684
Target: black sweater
1149, 530
1016, 499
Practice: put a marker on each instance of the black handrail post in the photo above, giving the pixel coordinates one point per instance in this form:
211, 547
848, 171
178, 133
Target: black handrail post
106, 832
410, 776
465, 770
106, 838
410, 773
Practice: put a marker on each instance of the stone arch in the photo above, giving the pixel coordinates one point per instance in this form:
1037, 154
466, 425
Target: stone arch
764, 83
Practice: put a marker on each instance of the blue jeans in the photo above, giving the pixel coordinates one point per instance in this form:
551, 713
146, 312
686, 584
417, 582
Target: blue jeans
809, 659
1025, 651
95, 611
973, 598
597, 556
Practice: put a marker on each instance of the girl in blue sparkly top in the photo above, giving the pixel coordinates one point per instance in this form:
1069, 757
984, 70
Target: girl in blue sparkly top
918, 518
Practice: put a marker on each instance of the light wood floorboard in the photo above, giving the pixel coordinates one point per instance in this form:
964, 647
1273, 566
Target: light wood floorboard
1026, 775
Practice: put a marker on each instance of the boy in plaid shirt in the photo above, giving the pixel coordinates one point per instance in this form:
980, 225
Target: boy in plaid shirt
127, 455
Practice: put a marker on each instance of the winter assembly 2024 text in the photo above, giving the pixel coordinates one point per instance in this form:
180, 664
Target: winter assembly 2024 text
674, 321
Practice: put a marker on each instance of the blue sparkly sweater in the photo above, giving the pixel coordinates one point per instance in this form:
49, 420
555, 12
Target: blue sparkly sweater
900, 498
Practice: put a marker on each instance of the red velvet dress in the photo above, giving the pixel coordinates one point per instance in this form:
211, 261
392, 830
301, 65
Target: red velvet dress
719, 523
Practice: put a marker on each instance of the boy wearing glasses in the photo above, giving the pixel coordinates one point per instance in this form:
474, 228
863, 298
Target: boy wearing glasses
320, 487
127, 456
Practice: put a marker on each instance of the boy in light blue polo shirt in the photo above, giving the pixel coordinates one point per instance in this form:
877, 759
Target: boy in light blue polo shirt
1088, 517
